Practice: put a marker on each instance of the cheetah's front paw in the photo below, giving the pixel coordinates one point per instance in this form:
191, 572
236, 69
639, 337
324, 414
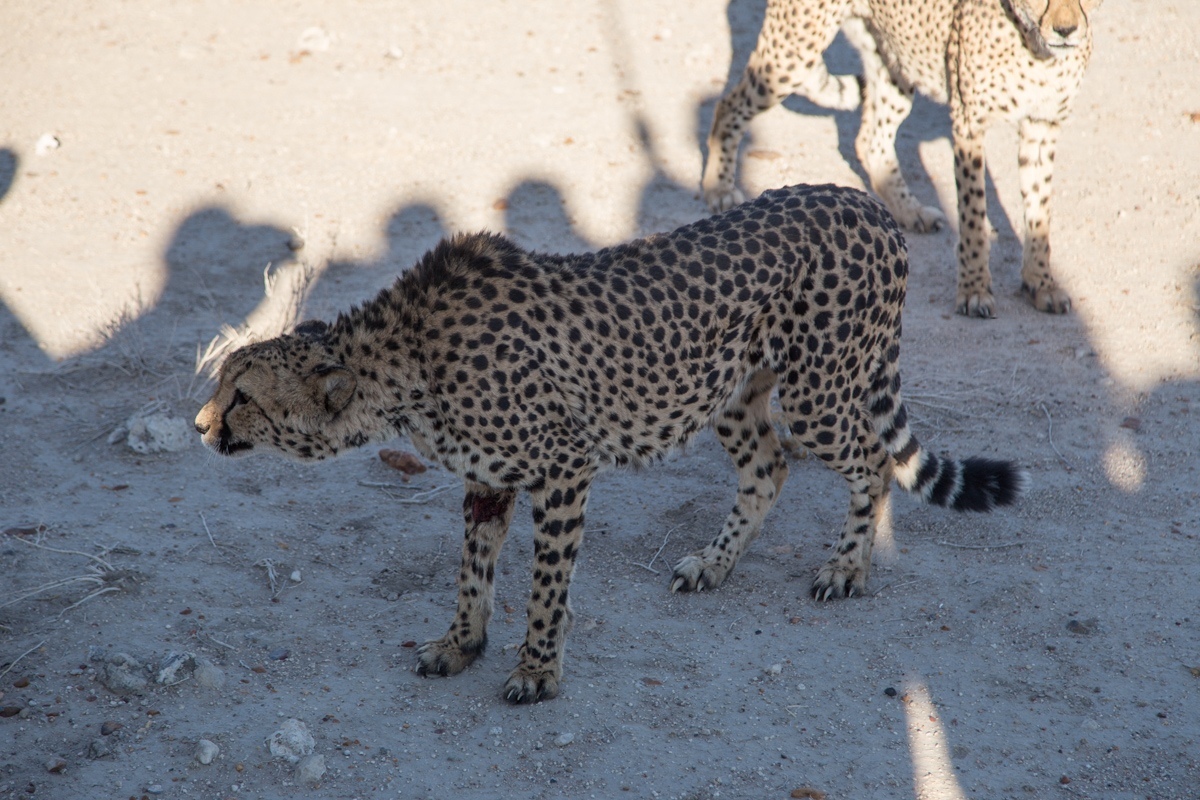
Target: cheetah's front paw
1050, 299
694, 573
446, 657
835, 580
529, 684
976, 304
924, 219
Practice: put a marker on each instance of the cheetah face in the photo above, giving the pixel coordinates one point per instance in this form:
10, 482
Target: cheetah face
285, 394
1051, 27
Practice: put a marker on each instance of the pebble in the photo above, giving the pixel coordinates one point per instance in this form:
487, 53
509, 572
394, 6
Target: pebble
156, 433
209, 675
206, 751
155, 788
496, 731
1083, 627
121, 673
110, 727
292, 741
295, 576
46, 143
890, 691
279, 654
564, 739
175, 667
774, 669
56, 765
310, 769
99, 748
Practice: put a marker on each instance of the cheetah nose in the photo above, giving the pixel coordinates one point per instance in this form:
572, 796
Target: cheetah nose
201, 428
1065, 30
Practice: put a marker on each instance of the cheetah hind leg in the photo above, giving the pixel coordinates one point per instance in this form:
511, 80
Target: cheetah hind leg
787, 59
746, 432
486, 514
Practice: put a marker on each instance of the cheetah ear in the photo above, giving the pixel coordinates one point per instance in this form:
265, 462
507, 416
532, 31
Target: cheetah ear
311, 329
331, 387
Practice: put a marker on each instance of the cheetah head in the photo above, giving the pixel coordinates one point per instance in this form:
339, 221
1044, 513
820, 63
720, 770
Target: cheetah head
1050, 27
289, 395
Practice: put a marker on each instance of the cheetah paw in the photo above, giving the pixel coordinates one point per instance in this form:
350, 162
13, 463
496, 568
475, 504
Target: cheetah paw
834, 581
927, 219
977, 304
722, 199
443, 657
694, 574
1050, 299
529, 684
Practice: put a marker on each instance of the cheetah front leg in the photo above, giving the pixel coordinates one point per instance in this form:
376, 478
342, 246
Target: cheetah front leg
787, 59
487, 514
975, 298
558, 518
748, 436
885, 106
1035, 164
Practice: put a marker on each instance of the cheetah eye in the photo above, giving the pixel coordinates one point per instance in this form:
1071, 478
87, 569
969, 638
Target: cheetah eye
239, 399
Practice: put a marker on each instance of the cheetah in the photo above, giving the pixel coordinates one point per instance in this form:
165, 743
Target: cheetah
990, 60
520, 371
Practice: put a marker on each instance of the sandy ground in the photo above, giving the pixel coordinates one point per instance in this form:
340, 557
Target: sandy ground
1043, 652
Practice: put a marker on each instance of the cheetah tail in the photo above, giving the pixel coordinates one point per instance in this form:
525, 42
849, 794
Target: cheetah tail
973, 484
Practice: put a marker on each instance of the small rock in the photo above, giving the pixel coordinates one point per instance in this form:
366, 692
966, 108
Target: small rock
121, 674
496, 731
56, 765
314, 40
206, 751
279, 654
310, 769
175, 668
395, 52
1083, 627
564, 739
209, 675
774, 669
110, 727
402, 461
46, 143
292, 741
157, 432
295, 576
890, 691
155, 788
99, 748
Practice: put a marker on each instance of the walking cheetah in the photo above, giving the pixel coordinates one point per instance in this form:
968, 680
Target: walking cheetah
520, 371
990, 60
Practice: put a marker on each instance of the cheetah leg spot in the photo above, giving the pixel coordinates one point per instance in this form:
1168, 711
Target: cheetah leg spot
486, 516
558, 515
746, 432
974, 298
1035, 162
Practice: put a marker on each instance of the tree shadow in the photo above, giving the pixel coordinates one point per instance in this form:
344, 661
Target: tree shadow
9, 162
412, 229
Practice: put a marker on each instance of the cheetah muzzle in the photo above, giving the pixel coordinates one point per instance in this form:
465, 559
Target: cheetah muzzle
527, 372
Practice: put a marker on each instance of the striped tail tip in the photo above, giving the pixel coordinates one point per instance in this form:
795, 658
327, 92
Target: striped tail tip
985, 484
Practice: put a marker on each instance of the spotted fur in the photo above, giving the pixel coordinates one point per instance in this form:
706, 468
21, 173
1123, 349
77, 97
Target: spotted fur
527, 372
1019, 60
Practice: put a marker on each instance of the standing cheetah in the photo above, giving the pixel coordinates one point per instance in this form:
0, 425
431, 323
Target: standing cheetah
990, 60
527, 372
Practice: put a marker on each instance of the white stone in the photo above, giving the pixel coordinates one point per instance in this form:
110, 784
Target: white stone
292, 741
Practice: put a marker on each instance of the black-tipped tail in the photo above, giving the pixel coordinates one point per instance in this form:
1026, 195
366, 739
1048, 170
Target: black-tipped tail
987, 484
976, 484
